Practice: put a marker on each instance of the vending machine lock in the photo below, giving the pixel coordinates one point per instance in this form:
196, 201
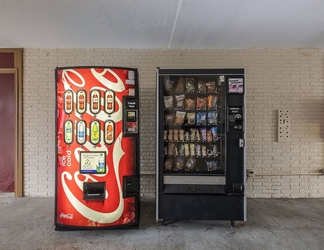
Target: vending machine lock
241, 143
238, 188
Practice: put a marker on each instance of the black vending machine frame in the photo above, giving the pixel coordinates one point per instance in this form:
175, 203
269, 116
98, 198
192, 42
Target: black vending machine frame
200, 196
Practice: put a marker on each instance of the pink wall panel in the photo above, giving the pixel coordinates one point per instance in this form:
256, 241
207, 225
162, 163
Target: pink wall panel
7, 132
6, 60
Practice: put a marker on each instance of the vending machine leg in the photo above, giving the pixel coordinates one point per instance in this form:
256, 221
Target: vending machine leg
232, 223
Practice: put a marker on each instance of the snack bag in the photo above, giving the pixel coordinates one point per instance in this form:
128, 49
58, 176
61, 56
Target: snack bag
168, 164
214, 133
201, 86
201, 118
179, 101
212, 101
201, 103
179, 87
191, 118
190, 85
179, 119
169, 119
211, 87
203, 132
190, 163
179, 163
212, 117
168, 85
189, 104
168, 101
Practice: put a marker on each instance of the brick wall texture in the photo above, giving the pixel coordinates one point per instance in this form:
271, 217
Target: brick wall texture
276, 79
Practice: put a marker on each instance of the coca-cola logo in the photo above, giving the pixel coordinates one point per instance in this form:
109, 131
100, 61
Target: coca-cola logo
66, 216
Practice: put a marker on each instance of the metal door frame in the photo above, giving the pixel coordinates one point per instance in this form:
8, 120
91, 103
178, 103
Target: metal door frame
18, 118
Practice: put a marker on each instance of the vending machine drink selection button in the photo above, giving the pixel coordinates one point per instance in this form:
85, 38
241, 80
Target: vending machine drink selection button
81, 132
81, 101
95, 132
68, 132
109, 132
68, 102
95, 101
109, 101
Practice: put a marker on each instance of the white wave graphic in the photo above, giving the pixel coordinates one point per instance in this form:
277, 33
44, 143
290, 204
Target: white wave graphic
88, 212
118, 87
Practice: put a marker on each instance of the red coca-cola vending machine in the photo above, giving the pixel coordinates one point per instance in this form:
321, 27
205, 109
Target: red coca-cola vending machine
97, 148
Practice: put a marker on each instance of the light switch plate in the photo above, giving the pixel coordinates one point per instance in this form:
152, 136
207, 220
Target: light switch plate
283, 125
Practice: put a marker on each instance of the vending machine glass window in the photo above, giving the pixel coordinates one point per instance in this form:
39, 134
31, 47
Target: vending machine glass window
193, 126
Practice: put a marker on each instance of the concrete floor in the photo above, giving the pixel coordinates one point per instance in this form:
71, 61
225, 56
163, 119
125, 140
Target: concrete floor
27, 223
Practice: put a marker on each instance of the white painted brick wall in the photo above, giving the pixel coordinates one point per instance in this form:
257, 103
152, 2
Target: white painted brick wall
276, 79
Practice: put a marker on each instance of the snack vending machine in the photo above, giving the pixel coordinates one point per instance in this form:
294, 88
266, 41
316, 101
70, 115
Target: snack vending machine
97, 148
200, 171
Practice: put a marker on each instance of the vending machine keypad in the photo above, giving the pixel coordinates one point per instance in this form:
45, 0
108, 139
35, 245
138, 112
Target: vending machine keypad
235, 119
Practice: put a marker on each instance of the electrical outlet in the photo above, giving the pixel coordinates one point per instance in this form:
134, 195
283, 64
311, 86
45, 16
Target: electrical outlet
283, 125
250, 172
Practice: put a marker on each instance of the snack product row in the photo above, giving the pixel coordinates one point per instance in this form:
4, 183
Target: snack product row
201, 102
190, 149
201, 134
191, 118
189, 85
190, 164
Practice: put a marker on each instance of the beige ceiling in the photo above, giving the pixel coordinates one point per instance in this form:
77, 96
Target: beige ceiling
222, 24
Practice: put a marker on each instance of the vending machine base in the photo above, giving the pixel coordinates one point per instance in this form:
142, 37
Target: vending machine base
201, 207
134, 225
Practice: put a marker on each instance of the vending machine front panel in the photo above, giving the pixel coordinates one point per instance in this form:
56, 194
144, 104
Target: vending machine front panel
94, 157
200, 116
